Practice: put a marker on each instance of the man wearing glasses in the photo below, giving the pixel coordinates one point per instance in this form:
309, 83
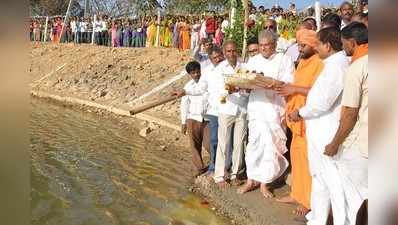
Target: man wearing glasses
282, 43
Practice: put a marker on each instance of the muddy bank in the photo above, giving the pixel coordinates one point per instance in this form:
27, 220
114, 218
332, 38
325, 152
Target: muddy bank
107, 81
110, 76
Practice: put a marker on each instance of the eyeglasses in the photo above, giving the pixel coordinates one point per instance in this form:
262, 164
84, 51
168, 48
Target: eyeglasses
269, 27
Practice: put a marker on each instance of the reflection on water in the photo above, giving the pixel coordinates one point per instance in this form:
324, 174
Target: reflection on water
90, 170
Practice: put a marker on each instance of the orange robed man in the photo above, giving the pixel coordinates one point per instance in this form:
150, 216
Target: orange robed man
308, 70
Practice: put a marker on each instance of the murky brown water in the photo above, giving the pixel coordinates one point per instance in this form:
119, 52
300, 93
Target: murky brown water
90, 170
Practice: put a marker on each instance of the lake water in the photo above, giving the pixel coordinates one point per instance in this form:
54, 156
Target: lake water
87, 169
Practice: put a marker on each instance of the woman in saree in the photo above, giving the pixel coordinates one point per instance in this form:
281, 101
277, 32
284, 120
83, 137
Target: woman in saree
151, 34
168, 34
176, 33
185, 39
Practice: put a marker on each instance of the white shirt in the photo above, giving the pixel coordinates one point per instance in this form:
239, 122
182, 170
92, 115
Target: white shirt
323, 105
266, 105
293, 51
211, 84
203, 33
73, 26
282, 45
224, 25
237, 102
343, 24
104, 26
98, 26
253, 17
83, 26
193, 107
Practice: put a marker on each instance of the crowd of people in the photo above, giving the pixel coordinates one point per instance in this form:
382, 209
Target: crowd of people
182, 32
313, 106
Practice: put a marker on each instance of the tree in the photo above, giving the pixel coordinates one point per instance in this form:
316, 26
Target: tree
53, 7
235, 31
113, 8
195, 6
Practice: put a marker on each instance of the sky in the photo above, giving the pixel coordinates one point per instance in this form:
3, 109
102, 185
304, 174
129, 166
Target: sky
299, 3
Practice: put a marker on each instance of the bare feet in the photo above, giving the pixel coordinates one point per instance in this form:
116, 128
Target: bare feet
209, 176
249, 186
266, 193
301, 211
223, 185
287, 199
236, 182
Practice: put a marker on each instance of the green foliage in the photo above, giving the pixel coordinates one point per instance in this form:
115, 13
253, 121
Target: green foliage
184, 7
287, 27
235, 32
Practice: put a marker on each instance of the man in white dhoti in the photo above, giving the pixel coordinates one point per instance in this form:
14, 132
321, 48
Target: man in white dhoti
350, 144
321, 114
267, 139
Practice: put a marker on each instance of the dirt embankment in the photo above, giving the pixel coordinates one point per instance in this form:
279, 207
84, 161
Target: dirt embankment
115, 78
109, 76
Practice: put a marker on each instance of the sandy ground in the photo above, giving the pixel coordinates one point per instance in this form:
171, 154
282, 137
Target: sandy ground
116, 77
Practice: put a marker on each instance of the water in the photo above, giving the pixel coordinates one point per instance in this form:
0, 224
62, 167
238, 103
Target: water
91, 170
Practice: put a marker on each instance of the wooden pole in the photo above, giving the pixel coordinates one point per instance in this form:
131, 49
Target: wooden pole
158, 30
232, 15
151, 105
246, 8
318, 14
46, 30
93, 34
66, 20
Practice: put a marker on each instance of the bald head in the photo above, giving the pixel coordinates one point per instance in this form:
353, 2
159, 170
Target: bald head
230, 52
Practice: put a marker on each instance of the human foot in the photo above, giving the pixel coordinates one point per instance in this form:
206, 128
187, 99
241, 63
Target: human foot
249, 186
265, 191
209, 176
287, 199
236, 182
222, 185
301, 211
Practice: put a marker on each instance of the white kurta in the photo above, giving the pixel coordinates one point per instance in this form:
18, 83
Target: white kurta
236, 103
210, 84
193, 107
267, 139
322, 115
